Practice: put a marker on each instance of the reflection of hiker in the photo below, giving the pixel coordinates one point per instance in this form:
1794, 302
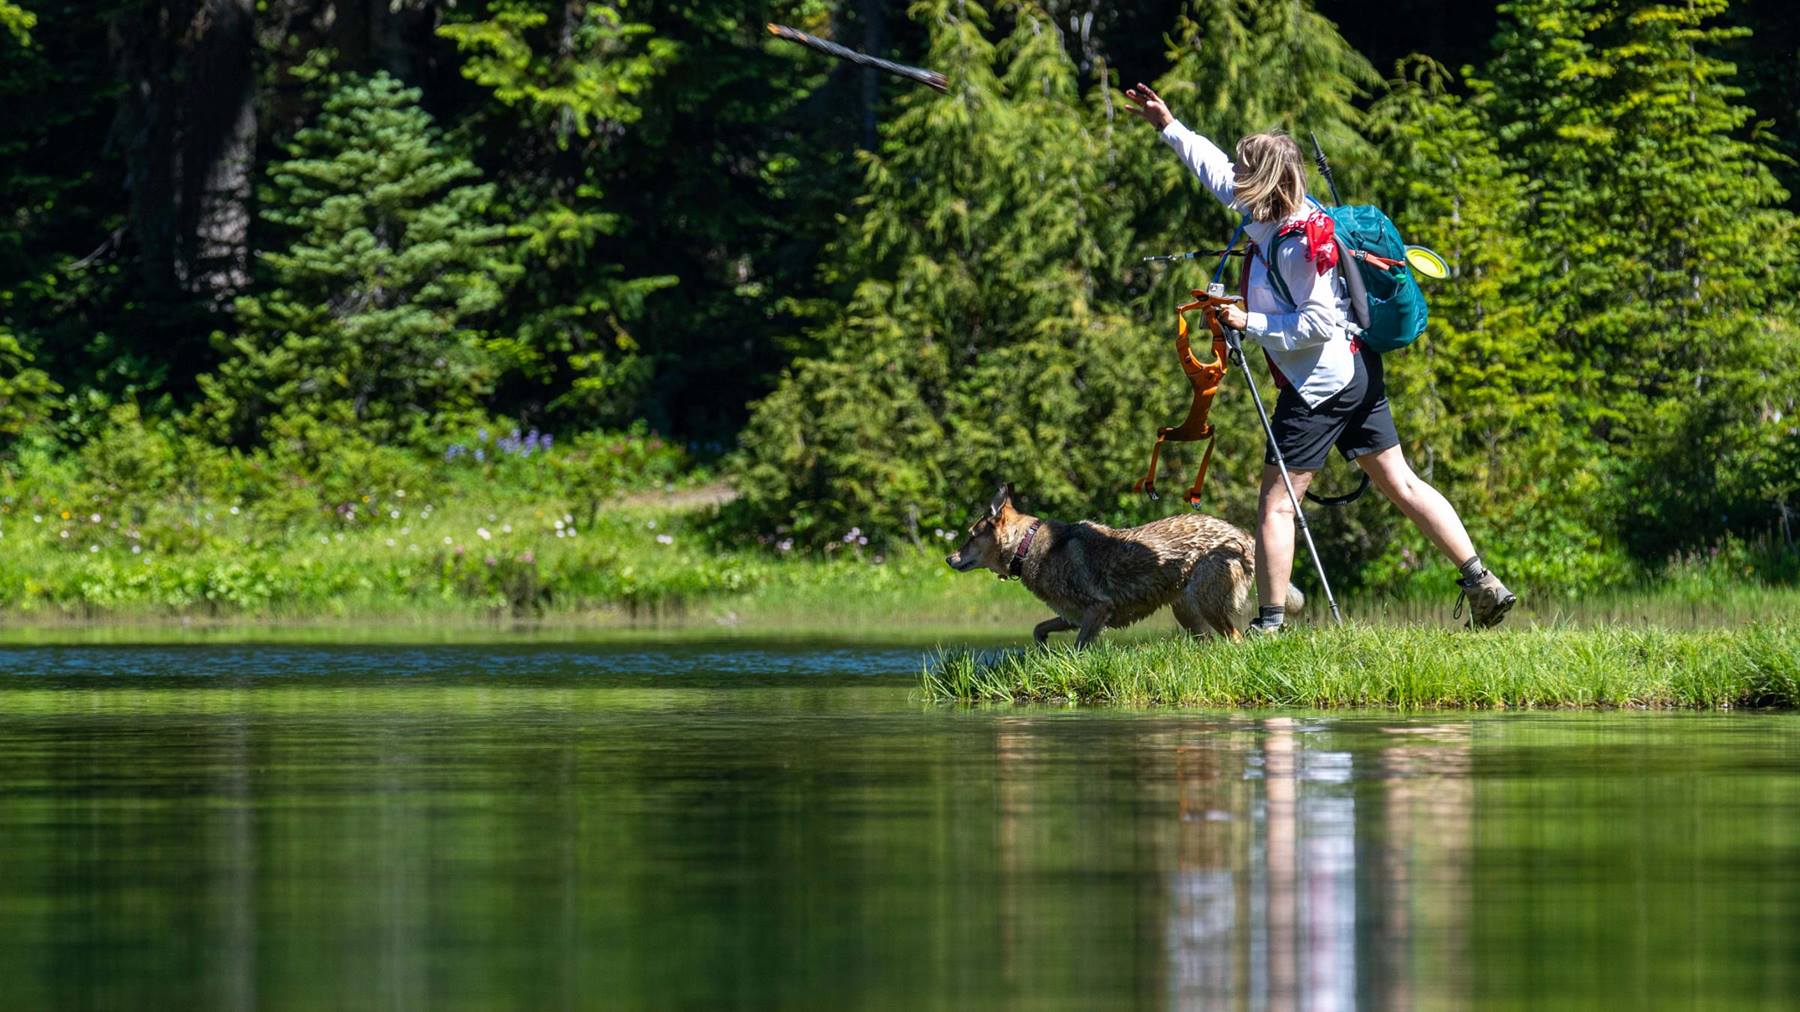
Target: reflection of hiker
1332, 393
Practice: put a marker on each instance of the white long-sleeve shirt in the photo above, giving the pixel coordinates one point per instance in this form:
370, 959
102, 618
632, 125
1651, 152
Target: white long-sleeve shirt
1310, 341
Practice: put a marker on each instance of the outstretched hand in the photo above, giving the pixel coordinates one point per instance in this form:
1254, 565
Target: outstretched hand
1149, 106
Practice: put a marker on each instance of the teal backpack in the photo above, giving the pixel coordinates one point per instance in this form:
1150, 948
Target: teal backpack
1385, 300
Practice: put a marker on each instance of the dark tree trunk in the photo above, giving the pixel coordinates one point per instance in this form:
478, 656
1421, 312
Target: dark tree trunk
188, 127
224, 142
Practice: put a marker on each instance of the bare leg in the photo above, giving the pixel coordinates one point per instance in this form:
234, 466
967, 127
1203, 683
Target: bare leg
1092, 621
1423, 505
1275, 533
1048, 626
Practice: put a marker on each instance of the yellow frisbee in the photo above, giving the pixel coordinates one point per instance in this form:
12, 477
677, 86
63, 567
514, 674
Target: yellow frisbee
1426, 262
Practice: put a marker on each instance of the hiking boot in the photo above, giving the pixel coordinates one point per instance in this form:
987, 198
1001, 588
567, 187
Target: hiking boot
1255, 631
1488, 598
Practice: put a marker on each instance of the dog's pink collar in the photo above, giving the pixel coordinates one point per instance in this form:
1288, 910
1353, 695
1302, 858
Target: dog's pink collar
1017, 565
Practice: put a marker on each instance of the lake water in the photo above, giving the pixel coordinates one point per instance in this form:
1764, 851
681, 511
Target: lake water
544, 827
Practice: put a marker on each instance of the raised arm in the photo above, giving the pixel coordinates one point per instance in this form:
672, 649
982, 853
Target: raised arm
1202, 156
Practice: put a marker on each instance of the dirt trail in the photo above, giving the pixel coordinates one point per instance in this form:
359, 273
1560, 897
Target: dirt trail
715, 493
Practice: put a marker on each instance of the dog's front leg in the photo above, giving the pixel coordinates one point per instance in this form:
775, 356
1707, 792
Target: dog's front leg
1048, 626
1092, 621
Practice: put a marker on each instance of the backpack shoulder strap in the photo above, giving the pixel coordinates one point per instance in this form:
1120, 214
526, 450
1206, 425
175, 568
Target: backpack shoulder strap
1275, 278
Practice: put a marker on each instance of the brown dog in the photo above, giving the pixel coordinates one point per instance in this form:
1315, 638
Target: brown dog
1095, 577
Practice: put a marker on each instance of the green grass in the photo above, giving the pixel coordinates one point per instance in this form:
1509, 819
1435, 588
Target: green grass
1401, 667
482, 557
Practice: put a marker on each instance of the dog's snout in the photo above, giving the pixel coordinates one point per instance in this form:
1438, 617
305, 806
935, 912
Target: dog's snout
950, 560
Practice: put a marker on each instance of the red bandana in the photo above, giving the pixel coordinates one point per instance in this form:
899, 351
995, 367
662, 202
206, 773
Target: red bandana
1321, 244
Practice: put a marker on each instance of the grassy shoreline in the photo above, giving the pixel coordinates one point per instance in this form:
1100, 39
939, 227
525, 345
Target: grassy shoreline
466, 565
1394, 667
911, 598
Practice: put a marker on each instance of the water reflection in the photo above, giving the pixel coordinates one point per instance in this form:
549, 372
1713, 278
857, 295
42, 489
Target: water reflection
1272, 903
515, 832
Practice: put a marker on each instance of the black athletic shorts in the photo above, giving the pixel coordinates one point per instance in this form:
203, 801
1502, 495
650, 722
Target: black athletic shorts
1356, 420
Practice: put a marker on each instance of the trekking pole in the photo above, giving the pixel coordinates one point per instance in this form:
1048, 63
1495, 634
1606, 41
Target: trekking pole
1325, 169
1237, 353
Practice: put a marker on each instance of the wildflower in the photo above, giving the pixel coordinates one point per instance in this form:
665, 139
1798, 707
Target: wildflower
94, 518
568, 518
785, 544
528, 558
650, 524
545, 442
93, 548
479, 455
37, 518
390, 542
482, 532
506, 528
136, 549
559, 526
664, 539
481, 434
559, 530
65, 514
491, 561
862, 539
65, 534
234, 511
393, 514
448, 540
399, 493
405, 530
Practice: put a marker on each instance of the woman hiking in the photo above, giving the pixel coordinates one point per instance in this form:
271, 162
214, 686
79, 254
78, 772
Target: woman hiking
1332, 393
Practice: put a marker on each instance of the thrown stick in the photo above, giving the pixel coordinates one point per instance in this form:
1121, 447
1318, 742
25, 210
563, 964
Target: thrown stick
929, 78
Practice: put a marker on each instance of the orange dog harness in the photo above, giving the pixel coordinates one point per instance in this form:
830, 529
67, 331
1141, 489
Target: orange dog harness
1205, 377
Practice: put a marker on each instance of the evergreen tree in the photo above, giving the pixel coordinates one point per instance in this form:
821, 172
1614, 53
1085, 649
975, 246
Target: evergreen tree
1666, 248
1482, 396
368, 314
979, 344
1707, 247
565, 77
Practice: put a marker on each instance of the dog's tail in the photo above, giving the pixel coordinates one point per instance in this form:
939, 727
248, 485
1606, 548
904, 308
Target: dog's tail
1296, 601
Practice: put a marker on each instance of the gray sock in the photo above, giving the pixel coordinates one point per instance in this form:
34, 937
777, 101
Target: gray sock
1472, 569
1269, 616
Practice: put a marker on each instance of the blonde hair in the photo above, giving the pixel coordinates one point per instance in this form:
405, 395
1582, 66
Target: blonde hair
1270, 184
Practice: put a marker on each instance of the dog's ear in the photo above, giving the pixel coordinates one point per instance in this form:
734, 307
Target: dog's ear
1002, 499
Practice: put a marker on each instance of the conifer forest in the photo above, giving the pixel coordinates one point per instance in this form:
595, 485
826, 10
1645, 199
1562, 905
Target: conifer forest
279, 274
